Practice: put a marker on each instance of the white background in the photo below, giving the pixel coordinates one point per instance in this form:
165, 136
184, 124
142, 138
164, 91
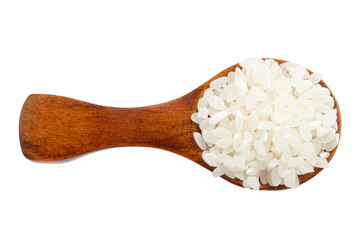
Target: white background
135, 53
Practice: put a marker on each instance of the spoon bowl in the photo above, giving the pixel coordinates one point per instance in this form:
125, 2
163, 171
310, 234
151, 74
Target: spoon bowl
54, 128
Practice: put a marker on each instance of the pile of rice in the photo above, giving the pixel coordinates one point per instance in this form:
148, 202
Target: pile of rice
266, 122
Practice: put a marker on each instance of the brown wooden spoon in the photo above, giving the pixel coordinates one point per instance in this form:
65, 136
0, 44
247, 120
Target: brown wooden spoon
56, 128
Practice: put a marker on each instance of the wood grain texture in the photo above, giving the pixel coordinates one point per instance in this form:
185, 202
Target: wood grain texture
55, 128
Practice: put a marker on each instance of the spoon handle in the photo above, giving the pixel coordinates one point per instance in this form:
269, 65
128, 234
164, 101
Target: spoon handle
55, 128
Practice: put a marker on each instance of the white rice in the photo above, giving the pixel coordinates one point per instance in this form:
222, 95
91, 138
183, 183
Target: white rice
200, 140
266, 121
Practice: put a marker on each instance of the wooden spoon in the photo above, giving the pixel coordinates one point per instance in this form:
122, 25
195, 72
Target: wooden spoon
55, 128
